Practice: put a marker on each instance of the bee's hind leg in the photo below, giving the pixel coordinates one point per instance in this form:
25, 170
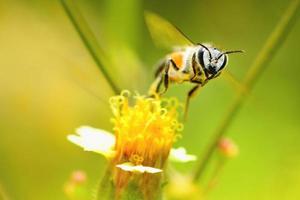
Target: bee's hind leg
162, 75
191, 93
166, 74
155, 86
160, 68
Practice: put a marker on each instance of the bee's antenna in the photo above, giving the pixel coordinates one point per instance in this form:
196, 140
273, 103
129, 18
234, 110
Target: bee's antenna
229, 52
235, 51
206, 49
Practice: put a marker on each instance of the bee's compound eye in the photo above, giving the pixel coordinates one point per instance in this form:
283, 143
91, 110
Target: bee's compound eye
204, 58
219, 59
222, 61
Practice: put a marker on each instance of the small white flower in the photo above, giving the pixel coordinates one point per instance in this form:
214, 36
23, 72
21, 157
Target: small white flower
138, 168
96, 140
180, 155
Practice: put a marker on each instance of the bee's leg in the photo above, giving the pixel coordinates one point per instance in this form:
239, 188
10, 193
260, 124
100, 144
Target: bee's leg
154, 88
166, 78
160, 68
191, 93
166, 75
196, 70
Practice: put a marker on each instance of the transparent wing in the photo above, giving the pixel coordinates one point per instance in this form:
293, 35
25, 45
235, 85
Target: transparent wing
165, 34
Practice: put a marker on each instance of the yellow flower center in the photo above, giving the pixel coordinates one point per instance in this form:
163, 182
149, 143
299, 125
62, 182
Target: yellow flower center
145, 128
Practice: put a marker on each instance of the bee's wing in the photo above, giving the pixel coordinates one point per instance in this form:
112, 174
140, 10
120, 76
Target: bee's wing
163, 33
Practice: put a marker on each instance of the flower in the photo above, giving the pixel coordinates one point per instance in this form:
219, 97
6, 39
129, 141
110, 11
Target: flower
138, 168
92, 139
180, 155
103, 142
144, 132
228, 148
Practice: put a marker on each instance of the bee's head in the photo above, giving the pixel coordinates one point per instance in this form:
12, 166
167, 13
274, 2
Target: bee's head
213, 60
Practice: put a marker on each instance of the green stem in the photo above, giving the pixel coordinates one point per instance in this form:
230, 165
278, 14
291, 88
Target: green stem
89, 41
105, 188
271, 46
215, 175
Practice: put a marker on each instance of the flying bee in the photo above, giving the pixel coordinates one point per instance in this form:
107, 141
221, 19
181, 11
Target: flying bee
188, 62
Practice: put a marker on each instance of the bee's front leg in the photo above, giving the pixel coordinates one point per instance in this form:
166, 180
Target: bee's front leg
191, 93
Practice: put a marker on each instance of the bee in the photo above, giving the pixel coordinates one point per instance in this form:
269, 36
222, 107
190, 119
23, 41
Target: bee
188, 62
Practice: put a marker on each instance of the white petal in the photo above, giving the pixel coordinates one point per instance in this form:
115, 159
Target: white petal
138, 168
96, 140
180, 155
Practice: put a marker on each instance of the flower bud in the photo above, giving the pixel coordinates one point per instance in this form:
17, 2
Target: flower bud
228, 148
75, 187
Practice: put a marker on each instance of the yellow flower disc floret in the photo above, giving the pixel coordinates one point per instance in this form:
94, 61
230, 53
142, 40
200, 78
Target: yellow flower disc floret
145, 129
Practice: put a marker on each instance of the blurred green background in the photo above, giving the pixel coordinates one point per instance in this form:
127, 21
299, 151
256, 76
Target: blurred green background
50, 85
